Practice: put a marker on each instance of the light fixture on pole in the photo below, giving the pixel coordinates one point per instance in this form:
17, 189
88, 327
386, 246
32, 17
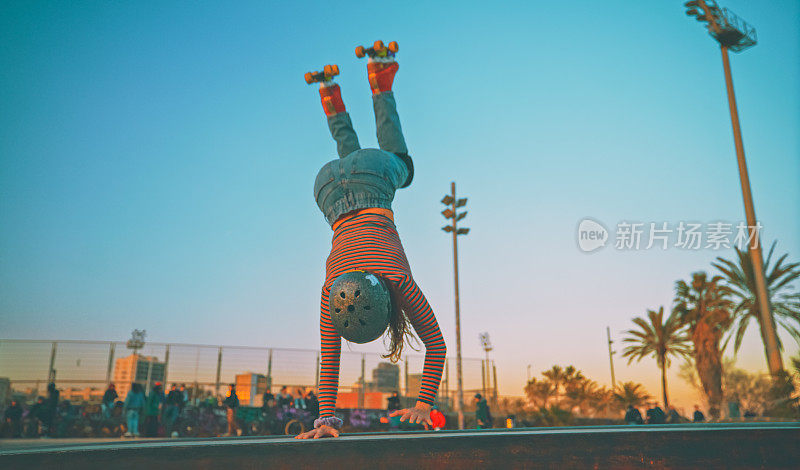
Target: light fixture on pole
452, 214
732, 32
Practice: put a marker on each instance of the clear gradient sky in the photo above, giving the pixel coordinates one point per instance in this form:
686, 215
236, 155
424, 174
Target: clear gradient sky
157, 162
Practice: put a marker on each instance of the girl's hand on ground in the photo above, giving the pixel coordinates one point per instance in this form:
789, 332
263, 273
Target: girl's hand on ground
322, 431
421, 413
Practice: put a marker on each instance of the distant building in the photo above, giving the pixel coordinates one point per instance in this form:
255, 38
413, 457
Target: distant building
372, 400
145, 370
414, 384
250, 387
385, 378
81, 395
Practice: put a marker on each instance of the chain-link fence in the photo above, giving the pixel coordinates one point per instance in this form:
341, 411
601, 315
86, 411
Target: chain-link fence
82, 370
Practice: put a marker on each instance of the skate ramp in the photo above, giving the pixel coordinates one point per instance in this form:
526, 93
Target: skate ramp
747, 445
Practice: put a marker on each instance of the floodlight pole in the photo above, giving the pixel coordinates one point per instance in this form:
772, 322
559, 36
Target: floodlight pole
451, 213
768, 331
459, 373
731, 32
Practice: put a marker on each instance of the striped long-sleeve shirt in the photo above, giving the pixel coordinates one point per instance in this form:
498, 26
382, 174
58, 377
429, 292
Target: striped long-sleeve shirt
369, 242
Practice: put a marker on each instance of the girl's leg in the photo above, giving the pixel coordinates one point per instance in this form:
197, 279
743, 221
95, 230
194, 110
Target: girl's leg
338, 119
390, 134
387, 121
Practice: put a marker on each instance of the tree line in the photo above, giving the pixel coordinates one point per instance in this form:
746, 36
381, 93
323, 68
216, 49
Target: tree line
711, 310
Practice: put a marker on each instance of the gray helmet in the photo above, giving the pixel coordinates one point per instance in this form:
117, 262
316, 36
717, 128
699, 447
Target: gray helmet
360, 306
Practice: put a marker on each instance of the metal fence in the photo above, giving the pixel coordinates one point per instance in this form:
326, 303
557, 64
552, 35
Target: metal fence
83, 369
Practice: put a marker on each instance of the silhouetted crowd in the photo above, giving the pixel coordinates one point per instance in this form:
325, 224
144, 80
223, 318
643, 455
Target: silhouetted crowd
159, 413
655, 415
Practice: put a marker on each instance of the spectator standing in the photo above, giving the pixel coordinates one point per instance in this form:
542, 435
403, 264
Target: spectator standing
698, 416
172, 409
284, 398
109, 397
37, 414
13, 418
393, 402
211, 401
482, 414
231, 403
134, 402
152, 410
655, 415
633, 416
267, 401
312, 404
300, 401
184, 398
50, 409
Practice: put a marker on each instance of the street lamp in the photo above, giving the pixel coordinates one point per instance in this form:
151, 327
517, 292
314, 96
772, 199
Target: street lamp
137, 340
487, 346
735, 34
451, 213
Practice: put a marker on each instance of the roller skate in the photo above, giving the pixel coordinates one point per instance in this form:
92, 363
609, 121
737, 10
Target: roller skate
329, 92
381, 65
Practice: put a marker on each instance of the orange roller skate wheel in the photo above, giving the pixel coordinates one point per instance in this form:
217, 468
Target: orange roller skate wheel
309, 78
360, 52
378, 46
393, 46
331, 70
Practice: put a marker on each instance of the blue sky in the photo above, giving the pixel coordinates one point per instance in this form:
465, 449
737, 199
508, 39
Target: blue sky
157, 161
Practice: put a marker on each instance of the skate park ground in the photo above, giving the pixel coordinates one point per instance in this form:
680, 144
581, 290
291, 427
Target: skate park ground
728, 445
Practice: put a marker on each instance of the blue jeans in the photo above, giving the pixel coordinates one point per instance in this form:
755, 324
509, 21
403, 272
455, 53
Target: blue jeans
387, 123
133, 422
363, 178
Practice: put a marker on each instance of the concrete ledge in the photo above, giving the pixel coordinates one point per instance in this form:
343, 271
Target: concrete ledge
755, 445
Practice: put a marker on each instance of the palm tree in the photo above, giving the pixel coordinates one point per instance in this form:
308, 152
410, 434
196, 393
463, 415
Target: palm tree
556, 376
660, 339
587, 397
704, 307
560, 378
603, 402
783, 302
540, 392
631, 394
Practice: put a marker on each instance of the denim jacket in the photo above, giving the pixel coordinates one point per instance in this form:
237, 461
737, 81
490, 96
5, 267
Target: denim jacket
365, 178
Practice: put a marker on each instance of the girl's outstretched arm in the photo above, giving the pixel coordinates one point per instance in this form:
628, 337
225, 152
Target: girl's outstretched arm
331, 348
427, 328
